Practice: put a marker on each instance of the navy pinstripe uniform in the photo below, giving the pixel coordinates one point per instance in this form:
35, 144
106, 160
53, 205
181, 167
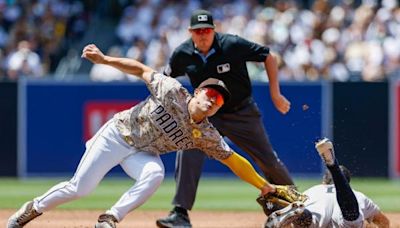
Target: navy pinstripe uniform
239, 119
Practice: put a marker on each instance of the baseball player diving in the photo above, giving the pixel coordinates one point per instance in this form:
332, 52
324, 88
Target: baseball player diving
331, 204
169, 119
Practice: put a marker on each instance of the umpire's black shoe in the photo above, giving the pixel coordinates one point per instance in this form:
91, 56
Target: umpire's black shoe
174, 220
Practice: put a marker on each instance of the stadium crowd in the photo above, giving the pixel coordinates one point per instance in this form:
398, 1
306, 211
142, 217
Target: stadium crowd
35, 35
327, 40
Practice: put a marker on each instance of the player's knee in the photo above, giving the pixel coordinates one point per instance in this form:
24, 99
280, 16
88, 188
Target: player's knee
77, 190
157, 177
81, 192
153, 171
152, 174
154, 178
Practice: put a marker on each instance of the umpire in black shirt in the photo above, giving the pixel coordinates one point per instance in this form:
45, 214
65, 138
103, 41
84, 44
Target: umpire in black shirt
223, 56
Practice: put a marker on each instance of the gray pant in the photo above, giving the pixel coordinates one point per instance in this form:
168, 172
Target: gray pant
244, 128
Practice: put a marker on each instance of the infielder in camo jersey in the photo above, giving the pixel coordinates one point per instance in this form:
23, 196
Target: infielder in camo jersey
211, 54
331, 204
169, 119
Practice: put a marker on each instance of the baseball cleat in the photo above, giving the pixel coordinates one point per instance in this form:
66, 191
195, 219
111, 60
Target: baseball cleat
174, 220
24, 215
106, 221
326, 151
285, 216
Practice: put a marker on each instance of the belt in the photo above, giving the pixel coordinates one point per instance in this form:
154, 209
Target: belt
243, 104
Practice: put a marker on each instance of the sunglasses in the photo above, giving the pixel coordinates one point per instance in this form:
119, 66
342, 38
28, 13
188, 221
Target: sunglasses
212, 93
202, 31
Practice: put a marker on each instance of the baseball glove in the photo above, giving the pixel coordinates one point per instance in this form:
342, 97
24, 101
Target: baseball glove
282, 197
288, 193
271, 203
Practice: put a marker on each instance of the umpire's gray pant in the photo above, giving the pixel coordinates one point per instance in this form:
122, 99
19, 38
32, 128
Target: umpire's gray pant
246, 130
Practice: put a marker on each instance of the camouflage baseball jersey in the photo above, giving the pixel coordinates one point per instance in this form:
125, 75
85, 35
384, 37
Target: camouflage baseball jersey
162, 124
326, 212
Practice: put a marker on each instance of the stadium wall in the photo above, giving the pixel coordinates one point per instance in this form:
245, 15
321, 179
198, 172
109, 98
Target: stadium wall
360, 121
56, 118
8, 128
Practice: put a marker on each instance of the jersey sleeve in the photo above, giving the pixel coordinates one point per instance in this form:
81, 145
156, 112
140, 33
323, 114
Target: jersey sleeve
367, 206
215, 146
251, 51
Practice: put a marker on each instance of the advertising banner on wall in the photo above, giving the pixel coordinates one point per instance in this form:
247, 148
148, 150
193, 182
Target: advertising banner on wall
57, 118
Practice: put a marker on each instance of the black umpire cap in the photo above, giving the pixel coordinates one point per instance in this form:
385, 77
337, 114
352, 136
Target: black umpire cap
201, 19
217, 85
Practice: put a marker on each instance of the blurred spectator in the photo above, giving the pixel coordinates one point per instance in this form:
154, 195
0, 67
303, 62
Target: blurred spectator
137, 50
105, 73
137, 21
23, 62
339, 40
32, 33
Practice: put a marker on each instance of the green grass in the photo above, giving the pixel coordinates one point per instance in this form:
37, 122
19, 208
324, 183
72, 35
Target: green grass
213, 194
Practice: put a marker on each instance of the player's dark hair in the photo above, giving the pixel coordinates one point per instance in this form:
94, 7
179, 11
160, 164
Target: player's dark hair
304, 220
327, 178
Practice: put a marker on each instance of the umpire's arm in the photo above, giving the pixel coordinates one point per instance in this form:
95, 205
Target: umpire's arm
280, 101
129, 66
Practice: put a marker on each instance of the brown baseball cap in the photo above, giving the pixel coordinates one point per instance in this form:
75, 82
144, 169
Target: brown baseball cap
217, 85
201, 19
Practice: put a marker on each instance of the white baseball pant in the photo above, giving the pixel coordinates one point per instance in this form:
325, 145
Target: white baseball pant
103, 152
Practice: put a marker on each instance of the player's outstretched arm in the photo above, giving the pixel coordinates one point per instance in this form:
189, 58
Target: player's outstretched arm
129, 66
380, 220
243, 169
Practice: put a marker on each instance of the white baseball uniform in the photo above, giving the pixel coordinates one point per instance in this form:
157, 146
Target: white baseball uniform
326, 212
134, 139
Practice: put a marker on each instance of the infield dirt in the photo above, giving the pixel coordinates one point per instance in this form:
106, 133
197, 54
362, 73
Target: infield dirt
146, 219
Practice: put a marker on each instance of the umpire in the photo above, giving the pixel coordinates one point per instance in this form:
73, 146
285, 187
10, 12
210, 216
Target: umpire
223, 56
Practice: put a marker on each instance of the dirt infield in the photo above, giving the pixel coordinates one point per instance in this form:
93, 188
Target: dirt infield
146, 219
